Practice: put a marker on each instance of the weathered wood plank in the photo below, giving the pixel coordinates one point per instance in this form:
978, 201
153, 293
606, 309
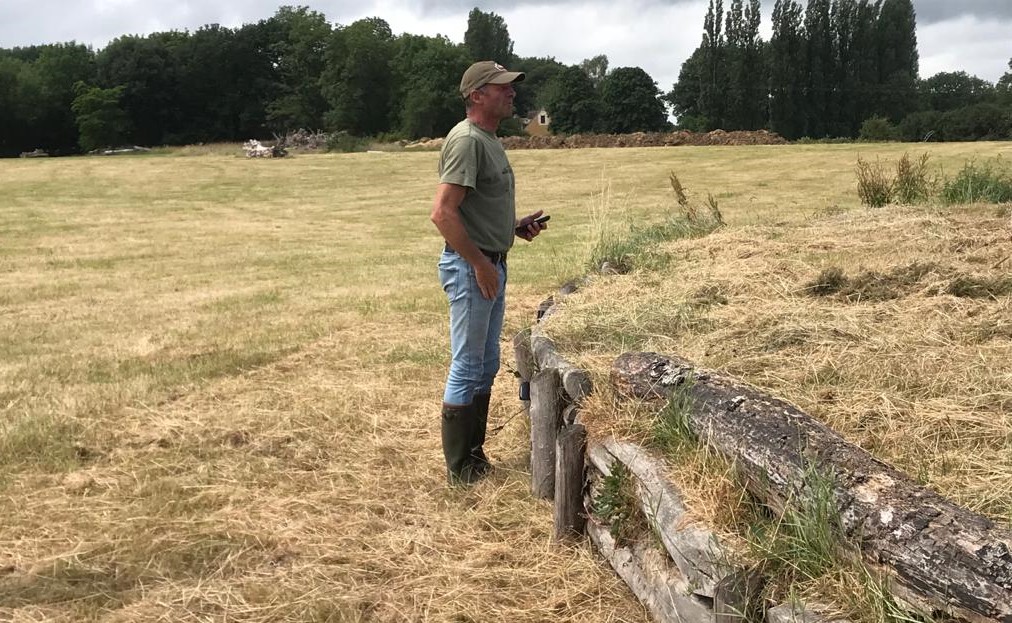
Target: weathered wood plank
694, 549
939, 556
546, 417
570, 458
657, 584
575, 382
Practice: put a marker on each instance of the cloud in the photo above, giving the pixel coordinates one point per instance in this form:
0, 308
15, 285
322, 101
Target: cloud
969, 44
933, 11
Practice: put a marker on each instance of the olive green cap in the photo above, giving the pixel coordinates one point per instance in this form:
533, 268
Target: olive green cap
487, 72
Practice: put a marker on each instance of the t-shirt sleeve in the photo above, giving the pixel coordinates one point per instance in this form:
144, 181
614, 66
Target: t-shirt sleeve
459, 163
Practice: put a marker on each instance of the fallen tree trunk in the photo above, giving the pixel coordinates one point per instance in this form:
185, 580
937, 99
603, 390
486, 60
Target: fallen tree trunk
939, 556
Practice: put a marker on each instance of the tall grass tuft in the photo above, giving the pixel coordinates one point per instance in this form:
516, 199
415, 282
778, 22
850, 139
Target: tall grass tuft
873, 185
638, 247
803, 543
672, 429
913, 183
988, 182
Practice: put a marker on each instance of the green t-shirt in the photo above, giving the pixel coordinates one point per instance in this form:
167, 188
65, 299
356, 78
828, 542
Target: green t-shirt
474, 158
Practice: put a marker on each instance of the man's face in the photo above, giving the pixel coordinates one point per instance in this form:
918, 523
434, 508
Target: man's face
497, 99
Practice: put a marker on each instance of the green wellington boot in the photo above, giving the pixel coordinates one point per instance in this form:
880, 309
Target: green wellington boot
458, 430
478, 457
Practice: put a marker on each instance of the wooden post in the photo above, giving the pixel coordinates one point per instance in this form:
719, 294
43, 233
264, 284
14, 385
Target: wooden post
546, 415
525, 367
570, 452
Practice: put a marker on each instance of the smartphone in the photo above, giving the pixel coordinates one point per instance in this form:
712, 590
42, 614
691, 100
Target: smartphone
540, 219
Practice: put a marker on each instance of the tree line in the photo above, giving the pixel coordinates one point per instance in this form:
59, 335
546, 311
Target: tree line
835, 68
293, 70
831, 70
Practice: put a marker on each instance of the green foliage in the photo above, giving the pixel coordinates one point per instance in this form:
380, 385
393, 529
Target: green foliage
952, 90
596, 68
630, 103
101, 120
346, 143
358, 78
877, 129
300, 62
873, 185
617, 504
572, 101
427, 74
987, 182
539, 73
487, 38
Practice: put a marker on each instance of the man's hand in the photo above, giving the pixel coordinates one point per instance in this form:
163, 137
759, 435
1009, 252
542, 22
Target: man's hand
527, 228
487, 275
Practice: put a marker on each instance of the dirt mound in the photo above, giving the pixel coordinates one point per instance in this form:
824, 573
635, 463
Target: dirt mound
645, 139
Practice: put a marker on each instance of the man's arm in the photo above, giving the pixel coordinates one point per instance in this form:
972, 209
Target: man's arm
446, 217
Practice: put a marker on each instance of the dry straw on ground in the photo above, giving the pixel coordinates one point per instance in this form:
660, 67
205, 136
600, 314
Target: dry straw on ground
219, 379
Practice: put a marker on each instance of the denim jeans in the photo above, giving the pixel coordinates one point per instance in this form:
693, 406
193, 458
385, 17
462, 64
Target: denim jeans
475, 326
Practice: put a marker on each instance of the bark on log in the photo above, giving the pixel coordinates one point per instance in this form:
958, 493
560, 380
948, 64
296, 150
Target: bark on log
546, 416
658, 585
694, 549
575, 382
570, 457
939, 556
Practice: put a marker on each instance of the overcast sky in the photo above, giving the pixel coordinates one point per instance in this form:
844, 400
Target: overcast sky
657, 35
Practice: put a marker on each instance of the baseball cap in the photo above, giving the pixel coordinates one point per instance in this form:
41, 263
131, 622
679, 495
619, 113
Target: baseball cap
487, 72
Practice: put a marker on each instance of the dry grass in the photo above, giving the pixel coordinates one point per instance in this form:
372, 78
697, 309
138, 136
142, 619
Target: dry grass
219, 378
891, 326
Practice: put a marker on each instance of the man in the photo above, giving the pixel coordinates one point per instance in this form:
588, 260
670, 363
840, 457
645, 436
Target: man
474, 210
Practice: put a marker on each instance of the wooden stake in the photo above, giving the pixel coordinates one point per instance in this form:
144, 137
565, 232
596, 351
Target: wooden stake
570, 453
546, 416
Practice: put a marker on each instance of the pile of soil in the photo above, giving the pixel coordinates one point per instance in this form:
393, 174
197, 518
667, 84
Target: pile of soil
645, 139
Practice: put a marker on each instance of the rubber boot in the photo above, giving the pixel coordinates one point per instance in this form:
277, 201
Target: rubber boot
458, 424
478, 457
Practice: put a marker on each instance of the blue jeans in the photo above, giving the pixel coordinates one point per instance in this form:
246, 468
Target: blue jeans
475, 326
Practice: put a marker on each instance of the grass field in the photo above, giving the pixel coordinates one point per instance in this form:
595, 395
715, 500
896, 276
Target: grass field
220, 378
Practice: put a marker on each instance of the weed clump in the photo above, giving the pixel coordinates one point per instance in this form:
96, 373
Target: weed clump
617, 504
829, 281
990, 182
623, 253
871, 285
873, 185
913, 183
967, 286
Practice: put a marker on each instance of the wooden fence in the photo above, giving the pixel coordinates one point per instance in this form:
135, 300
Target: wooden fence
939, 558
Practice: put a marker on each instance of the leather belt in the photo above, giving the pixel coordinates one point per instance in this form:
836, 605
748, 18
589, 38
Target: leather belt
495, 256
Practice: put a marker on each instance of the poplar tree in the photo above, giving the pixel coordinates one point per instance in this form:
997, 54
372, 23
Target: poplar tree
821, 71
714, 78
786, 55
487, 38
898, 61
